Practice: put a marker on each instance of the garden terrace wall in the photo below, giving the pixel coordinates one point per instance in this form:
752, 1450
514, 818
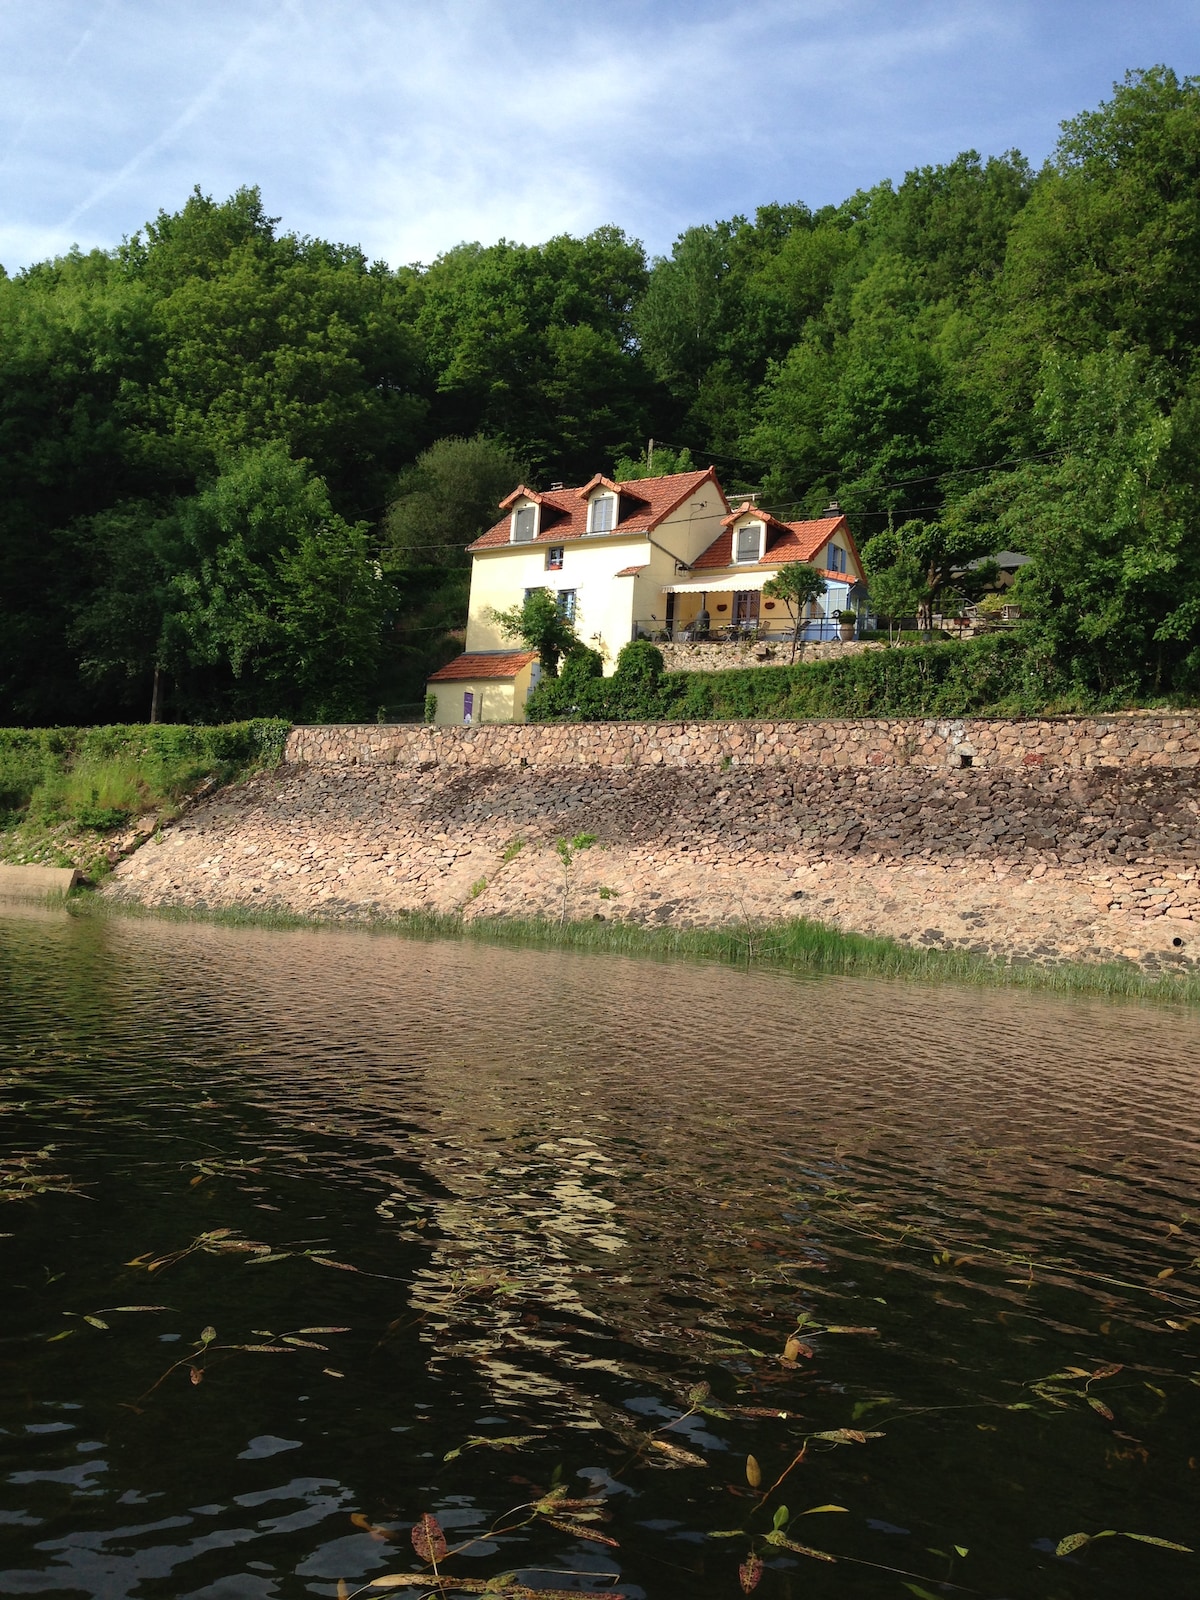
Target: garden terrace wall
1128, 740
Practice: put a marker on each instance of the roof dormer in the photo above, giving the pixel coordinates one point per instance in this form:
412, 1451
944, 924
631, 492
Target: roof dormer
749, 533
603, 499
525, 515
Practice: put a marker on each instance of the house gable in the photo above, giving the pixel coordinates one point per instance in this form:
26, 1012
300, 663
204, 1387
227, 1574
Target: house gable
782, 542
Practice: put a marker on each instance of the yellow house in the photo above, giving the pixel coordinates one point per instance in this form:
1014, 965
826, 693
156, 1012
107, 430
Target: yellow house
660, 558
608, 552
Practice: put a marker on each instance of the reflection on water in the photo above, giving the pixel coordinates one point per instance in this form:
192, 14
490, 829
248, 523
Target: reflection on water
549, 1196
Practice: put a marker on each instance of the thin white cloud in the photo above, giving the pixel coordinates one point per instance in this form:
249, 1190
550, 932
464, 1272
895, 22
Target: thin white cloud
408, 127
195, 108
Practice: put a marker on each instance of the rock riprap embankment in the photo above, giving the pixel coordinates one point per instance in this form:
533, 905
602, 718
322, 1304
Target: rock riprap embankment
1046, 851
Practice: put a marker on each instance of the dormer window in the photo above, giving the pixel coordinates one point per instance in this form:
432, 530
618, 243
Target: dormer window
524, 524
602, 514
747, 542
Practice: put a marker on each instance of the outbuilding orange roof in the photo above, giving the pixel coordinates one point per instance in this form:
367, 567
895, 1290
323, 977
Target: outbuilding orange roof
642, 504
484, 664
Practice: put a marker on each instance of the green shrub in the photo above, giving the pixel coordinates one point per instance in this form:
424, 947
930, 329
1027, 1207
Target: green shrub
1009, 674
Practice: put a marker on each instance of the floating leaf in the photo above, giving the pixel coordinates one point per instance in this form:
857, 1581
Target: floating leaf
961, 1549
846, 1436
323, 1330
727, 1533
65, 1334
780, 1518
305, 1344
1109, 1371
814, 1510
508, 1441
685, 1458
1073, 1541
749, 1573
1163, 1544
577, 1531
332, 1372
323, 1261
698, 1393
383, 1535
342, 1592
139, 1308
428, 1540
96, 1322
1098, 1405
873, 1332
753, 1472
207, 1335
781, 1542
1167, 1272
404, 1580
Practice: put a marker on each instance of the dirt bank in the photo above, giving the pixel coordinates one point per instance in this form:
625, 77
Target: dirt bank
1038, 856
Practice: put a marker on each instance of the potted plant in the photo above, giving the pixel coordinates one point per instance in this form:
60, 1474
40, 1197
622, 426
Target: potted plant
847, 623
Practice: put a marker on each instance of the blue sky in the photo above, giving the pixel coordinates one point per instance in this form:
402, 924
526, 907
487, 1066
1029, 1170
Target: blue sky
409, 125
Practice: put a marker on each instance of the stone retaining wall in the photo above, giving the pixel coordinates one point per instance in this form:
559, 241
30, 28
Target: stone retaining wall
1129, 740
720, 656
1064, 839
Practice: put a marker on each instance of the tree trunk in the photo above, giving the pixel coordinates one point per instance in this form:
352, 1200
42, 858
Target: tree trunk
155, 693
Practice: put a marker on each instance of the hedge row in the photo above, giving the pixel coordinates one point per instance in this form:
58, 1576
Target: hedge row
999, 674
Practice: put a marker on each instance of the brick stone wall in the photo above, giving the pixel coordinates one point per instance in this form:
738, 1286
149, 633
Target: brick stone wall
1128, 740
1063, 839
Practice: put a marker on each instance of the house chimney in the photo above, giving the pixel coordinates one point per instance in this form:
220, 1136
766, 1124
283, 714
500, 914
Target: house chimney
556, 486
832, 509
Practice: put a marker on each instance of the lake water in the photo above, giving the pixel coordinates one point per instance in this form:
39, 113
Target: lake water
574, 1190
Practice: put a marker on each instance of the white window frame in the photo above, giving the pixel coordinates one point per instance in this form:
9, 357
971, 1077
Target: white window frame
529, 505
551, 564
567, 601
757, 529
593, 504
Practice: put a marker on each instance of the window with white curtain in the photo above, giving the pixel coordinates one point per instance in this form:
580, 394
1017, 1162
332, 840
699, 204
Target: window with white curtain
602, 514
748, 543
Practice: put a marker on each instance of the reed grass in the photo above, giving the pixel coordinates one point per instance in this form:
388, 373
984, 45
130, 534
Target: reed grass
799, 946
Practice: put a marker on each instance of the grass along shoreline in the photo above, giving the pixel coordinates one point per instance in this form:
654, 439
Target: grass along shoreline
798, 946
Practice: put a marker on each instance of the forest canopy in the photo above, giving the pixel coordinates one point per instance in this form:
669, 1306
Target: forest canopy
242, 464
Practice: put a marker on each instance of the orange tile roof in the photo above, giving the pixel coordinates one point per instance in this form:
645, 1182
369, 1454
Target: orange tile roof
484, 664
644, 503
786, 541
630, 572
